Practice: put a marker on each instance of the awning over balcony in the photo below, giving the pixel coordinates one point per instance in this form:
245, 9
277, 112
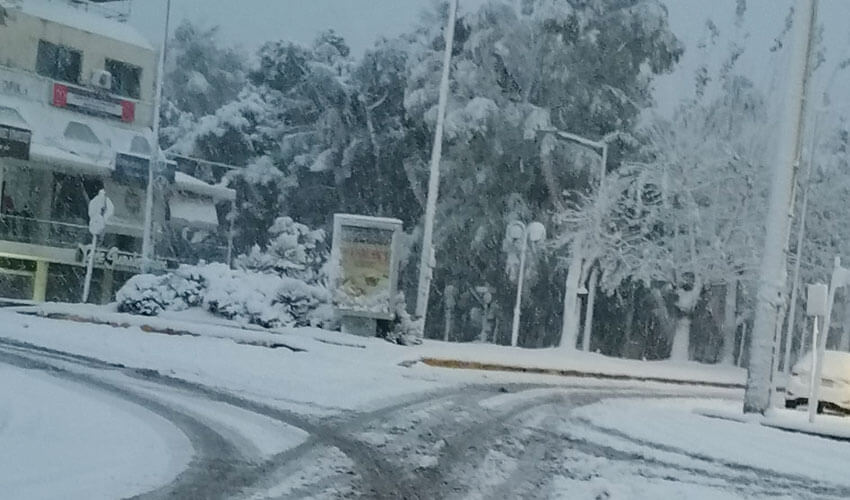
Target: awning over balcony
195, 211
72, 142
188, 184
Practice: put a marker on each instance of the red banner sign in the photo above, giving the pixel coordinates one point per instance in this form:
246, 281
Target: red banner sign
93, 103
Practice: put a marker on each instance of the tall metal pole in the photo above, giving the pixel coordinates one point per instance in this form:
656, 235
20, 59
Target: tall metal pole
157, 160
801, 233
427, 257
89, 269
588, 315
520, 279
594, 275
570, 318
772, 275
813, 406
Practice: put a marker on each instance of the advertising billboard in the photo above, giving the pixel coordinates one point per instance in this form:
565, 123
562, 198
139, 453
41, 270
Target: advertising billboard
365, 265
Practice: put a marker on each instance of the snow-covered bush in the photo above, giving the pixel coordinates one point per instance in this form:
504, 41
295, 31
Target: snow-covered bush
281, 285
253, 297
144, 294
294, 250
264, 299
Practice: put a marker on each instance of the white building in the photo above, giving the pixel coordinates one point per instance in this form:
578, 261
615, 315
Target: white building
77, 93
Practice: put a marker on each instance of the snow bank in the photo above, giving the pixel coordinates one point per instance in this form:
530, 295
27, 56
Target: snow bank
674, 426
557, 360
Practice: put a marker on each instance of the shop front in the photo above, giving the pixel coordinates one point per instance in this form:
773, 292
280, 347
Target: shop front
52, 163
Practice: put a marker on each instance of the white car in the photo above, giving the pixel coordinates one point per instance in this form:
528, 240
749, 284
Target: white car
835, 382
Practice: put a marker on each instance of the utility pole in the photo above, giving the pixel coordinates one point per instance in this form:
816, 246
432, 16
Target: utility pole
158, 160
773, 271
801, 234
427, 260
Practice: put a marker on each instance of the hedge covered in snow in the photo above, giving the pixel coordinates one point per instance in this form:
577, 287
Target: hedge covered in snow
254, 297
280, 285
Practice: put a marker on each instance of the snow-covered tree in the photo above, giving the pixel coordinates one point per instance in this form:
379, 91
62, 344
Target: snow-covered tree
202, 75
520, 68
294, 250
686, 218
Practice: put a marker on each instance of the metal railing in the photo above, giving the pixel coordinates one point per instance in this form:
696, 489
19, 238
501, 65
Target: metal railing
170, 247
175, 250
23, 229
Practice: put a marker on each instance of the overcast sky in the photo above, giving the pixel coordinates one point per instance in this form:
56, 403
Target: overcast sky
252, 22
249, 23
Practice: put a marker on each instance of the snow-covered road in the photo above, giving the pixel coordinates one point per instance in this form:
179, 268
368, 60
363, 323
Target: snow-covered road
63, 438
231, 416
475, 441
75, 427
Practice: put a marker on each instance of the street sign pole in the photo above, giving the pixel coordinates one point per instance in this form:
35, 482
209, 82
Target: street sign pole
817, 305
813, 397
100, 210
89, 269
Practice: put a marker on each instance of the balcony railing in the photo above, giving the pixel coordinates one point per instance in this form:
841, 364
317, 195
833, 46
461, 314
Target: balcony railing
170, 247
175, 250
23, 229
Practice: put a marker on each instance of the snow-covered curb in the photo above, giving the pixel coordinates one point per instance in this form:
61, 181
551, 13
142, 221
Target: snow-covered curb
828, 426
326, 377
573, 372
673, 429
434, 353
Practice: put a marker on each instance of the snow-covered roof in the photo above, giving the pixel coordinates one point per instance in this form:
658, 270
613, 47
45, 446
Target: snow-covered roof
187, 183
62, 12
367, 220
193, 212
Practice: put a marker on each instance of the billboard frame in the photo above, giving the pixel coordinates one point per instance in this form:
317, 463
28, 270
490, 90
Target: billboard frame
366, 222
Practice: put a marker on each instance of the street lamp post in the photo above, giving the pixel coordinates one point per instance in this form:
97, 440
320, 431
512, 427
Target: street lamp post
535, 233
570, 318
157, 162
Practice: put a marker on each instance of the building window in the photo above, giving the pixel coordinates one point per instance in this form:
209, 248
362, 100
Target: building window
126, 78
71, 196
59, 62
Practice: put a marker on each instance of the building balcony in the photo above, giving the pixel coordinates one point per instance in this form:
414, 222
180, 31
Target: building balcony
19, 228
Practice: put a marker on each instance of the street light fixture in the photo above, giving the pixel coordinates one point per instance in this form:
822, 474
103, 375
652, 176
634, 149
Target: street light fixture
535, 233
570, 319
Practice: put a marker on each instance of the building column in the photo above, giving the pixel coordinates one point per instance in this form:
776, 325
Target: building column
39, 288
43, 207
106, 286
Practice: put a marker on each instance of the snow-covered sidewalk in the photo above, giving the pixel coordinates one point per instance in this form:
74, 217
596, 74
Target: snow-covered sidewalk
435, 353
677, 430
318, 372
826, 425
582, 364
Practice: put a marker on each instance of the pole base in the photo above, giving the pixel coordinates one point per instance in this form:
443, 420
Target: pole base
360, 326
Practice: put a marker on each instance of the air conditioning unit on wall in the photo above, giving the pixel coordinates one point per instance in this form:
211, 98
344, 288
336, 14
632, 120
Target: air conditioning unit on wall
102, 79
